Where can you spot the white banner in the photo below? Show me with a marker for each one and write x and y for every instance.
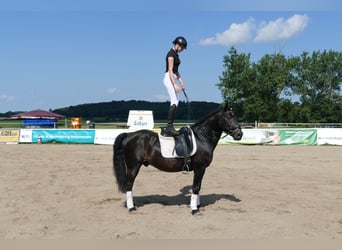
(25, 136)
(329, 136)
(140, 119)
(107, 136)
(250, 136)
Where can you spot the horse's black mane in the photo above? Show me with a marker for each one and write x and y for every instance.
(205, 118)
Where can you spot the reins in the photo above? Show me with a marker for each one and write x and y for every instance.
(187, 159)
(189, 106)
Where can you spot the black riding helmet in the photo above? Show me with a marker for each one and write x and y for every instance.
(180, 41)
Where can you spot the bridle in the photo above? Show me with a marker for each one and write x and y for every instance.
(231, 131)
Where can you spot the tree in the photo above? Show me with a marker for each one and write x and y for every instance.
(236, 81)
(268, 90)
(272, 73)
(317, 80)
(257, 87)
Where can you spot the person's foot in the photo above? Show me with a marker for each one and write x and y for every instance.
(169, 130)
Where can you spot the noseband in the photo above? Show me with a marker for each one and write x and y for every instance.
(231, 131)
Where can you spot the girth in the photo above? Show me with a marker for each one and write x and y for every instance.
(184, 146)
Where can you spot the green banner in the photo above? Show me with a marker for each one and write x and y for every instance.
(294, 137)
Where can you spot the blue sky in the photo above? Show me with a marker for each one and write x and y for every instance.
(56, 54)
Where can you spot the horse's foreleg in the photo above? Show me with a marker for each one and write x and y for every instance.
(196, 187)
(195, 201)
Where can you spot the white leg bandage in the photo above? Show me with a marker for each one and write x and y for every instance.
(129, 200)
(193, 202)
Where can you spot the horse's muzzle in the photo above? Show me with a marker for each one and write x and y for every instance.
(237, 134)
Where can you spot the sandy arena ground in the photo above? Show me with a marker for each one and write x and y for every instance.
(249, 192)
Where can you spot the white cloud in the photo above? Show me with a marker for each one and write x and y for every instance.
(236, 34)
(7, 98)
(111, 90)
(281, 29)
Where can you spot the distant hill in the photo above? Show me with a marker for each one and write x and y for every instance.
(117, 111)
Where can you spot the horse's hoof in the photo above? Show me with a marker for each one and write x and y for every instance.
(193, 212)
(132, 209)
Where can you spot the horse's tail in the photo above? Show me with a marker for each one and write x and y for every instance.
(119, 165)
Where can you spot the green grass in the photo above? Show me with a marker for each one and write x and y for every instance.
(10, 124)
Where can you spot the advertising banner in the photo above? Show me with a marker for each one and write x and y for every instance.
(107, 136)
(140, 119)
(274, 137)
(293, 137)
(9, 136)
(319, 136)
(329, 136)
(250, 136)
(64, 135)
(25, 136)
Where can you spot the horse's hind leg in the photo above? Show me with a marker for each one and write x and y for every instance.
(132, 173)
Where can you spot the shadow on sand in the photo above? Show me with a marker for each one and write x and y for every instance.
(183, 198)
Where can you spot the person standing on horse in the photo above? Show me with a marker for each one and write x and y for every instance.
(173, 82)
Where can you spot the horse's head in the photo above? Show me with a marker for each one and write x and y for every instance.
(230, 124)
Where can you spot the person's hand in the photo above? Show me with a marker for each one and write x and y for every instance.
(177, 88)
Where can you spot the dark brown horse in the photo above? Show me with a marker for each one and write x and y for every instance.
(132, 150)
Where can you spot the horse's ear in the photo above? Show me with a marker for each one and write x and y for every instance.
(227, 107)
